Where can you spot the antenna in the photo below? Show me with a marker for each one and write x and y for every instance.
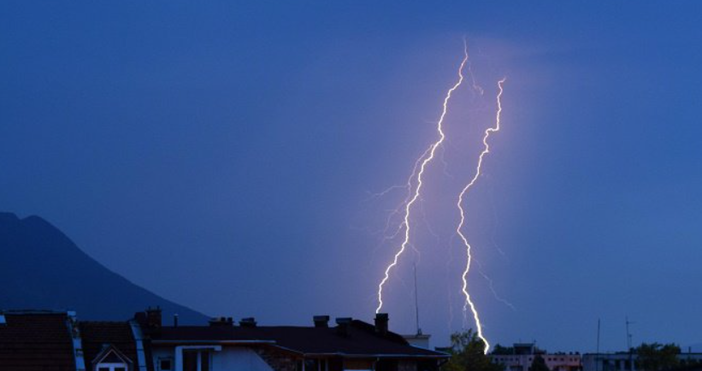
(628, 334)
(416, 300)
(597, 352)
(598, 337)
(628, 343)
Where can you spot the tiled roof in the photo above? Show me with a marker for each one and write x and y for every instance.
(361, 339)
(98, 335)
(36, 341)
(41, 341)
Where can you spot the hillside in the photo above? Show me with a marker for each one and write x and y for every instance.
(41, 268)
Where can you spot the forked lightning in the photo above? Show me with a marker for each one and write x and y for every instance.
(417, 177)
(459, 204)
(426, 158)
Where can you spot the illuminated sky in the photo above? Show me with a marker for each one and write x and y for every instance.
(223, 155)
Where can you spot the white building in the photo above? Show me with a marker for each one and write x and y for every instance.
(524, 354)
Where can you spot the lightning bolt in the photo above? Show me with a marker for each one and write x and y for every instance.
(426, 158)
(459, 204)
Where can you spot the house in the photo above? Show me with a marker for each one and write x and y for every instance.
(113, 346)
(57, 341)
(223, 345)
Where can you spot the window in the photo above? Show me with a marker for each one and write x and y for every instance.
(111, 359)
(315, 364)
(111, 367)
(196, 360)
(363, 364)
(165, 364)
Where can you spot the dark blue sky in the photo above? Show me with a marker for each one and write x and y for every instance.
(222, 155)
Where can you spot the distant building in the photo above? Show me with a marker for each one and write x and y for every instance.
(57, 341)
(623, 361)
(523, 356)
(418, 340)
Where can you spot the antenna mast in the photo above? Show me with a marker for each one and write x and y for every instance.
(598, 337)
(628, 343)
(628, 334)
(597, 363)
(416, 300)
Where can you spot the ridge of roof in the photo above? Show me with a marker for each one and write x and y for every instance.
(361, 339)
(19, 312)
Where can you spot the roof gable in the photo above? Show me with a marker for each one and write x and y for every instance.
(110, 354)
(97, 335)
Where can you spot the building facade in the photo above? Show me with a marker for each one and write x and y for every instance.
(523, 356)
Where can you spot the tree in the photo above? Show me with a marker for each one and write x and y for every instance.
(539, 364)
(657, 357)
(467, 354)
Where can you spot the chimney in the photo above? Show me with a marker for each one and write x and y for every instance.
(321, 321)
(247, 322)
(222, 322)
(153, 318)
(342, 325)
(140, 317)
(381, 323)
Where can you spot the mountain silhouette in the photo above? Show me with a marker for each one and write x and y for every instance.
(41, 268)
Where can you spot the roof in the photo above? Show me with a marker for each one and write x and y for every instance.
(96, 336)
(32, 341)
(362, 340)
(41, 341)
(110, 354)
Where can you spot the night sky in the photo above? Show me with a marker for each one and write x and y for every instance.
(225, 155)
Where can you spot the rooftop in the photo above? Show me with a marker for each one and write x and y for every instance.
(36, 340)
(360, 339)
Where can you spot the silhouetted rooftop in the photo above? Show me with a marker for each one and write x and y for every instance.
(360, 340)
(36, 340)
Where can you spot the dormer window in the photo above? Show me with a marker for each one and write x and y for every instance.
(112, 367)
(111, 359)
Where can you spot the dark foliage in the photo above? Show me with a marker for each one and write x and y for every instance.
(467, 354)
(539, 364)
(657, 357)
